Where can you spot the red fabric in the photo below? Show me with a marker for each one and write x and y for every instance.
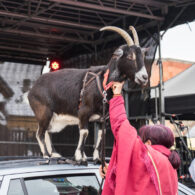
(130, 170)
(106, 86)
(162, 149)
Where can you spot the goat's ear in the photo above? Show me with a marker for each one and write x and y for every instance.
(145, 50)
(118, 53)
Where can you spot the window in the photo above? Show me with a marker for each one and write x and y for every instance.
(181, 193)
(15, 187)
(63, 185)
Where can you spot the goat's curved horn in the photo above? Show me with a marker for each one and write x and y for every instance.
(120, 31)
(135, 36)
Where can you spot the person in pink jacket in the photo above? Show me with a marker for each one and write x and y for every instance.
(139, 165)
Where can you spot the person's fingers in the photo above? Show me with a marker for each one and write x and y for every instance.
(117, 87)
(101, 172)
(105, 170)
(102, 175)
(116, 84)
(113, 86)
(119, 83)
(100, 168)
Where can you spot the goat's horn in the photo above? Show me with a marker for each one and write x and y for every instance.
(135, 36)
(120, 31)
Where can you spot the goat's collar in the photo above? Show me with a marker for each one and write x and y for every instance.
(106, 86)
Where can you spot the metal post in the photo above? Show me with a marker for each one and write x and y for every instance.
(95, 47)
(161, 86)
(126, 98)
(156, 106)
(96, 129)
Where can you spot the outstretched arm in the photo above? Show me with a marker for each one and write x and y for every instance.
(117, 109)
(117, 113)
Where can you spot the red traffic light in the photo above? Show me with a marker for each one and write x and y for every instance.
(55, 65)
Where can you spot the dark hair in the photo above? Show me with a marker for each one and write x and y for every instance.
(160, 135)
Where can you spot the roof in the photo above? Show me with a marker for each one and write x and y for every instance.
(5, 90)
(191, 133)
(180, 85)
(20, 78)
(31, 31)
(171, 68)
(179, 94)
(2, 119)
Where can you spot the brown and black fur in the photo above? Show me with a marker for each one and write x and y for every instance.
(59, 92)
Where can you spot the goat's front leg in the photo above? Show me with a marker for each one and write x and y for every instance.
(96, 153)
(50, 148)
(79, 153)
(83, 114)
(40, 135)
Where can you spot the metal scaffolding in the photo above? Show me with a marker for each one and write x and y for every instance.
(36, 29)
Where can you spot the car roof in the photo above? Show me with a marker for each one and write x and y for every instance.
(32, 165)
(9, 167)
(186, 189)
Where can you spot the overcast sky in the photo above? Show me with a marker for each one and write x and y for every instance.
(179, 43)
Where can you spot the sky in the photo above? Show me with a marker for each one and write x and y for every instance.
(179, 43)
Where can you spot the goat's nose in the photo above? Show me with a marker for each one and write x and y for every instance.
(145, 77)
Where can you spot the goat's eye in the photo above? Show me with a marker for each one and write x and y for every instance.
(131, 56)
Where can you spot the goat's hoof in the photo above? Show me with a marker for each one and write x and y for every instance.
(96, 161)
(62, 161)
(68, 161)
(80, 163)
(46, 156)
(85, 163)
(55, 155)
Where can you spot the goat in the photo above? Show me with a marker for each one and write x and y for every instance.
(55, 96)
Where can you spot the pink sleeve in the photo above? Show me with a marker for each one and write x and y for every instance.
(117, 113)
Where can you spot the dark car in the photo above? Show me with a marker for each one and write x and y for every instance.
(40, 177)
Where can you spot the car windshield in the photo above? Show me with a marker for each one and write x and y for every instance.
(181, 193)
(61, 185)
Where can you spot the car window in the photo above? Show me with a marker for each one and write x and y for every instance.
(15, 187)
(181, 193)
(61, 185)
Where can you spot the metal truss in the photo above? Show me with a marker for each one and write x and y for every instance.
(37, 29)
